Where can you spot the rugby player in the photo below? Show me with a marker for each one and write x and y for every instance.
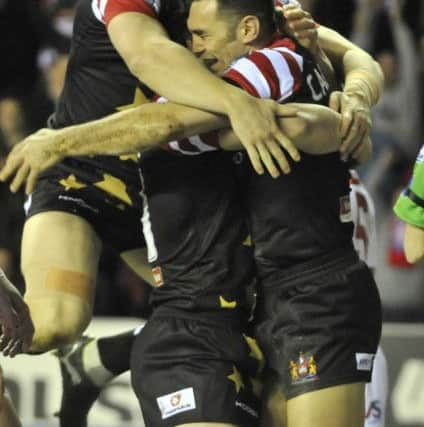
(410, 208)
(318, 81)
(319, 317)
(82, 203)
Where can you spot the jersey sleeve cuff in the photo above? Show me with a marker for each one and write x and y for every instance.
(409, 211)
(116, 7)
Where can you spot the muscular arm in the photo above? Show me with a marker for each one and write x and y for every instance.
(159, 63)
(145, 127)
(172, 71)
(134, 130)
(353, 63)
(316, 130)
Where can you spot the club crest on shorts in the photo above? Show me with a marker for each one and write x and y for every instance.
(304, 369)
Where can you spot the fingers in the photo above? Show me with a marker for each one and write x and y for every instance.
(12, 165)
(255, 160)
(267, 160)
(31, 181)
(25, 331)
(347, 121)
(279, 155)
(357, 134)
(13, 347)
(8, 334)
(336, 101)
(20, 177)
(287, 145)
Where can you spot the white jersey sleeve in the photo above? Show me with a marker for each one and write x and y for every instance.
(363, 217)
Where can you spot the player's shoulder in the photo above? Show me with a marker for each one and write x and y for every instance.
(274, 71)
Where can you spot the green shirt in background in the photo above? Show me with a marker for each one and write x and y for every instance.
(410, 205)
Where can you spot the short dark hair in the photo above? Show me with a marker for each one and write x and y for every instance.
(263, 9)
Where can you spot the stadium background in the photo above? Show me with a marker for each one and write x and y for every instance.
(34, 41)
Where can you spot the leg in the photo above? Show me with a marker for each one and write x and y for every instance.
(60, 254)
(274, 405)
(97, 361)
(136, 259)
(339, 406)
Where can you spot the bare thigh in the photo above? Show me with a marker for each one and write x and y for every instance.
(60, 254)
(338, 406)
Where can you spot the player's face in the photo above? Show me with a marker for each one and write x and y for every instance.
(214, 37)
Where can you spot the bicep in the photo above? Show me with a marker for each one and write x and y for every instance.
(133, 34)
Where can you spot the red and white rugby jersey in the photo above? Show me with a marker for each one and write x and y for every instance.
(363, 217)
(274, 72)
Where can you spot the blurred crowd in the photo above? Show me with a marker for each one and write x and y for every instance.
(34, 44)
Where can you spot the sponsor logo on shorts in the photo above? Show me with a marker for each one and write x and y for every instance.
(79, 202)
(177, 402)
(345, 209)
(304, 369)
(247, 408)
(157, 276)
(364, 361)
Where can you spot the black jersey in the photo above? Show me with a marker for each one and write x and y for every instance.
(195, 232)
(98, 82)
(304, 215)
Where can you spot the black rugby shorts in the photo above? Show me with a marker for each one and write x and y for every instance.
(189, 371)
(322, 331)
(114, 217)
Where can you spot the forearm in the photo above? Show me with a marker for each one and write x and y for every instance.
(135, 130)
(363, 75)
(316, 130)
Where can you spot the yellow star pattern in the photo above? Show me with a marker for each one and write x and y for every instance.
(236, 378)
(132, 157)
(227, 304)
(71, 182)
(115, 187)
(255, 352)
(139, 99)
(248, 241)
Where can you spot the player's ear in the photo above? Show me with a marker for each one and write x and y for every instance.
(249, 29)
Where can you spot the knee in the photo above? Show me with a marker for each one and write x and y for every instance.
(57, 321)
